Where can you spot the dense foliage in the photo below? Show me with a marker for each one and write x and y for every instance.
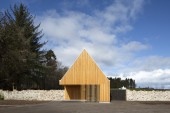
(23, 62)
(118, 83)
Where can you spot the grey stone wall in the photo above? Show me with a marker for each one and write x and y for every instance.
(147, 95)
(42, 95)
(58, 95)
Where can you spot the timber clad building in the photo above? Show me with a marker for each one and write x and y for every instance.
(84, 81)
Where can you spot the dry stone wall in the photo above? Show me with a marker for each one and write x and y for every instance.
(58, 95)
(42, 95)
(147, 95)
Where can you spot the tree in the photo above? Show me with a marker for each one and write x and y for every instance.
(118, 83)
(28, 33)
(23, 62)
(21, 54)
(61, 70)
(55, 71)
(51, 63)
(9, 62)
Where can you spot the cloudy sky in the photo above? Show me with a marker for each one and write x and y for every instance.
(127, 38)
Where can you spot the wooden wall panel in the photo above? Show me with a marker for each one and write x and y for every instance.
(66, 97)
(86, 72)
(73, 92)
(83, 92)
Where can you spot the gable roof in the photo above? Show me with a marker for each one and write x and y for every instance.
(84, 71)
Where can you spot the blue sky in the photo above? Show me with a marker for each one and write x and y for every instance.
(127, 38)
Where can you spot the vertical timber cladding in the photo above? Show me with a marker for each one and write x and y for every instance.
(73, 92)
(85, 78)
(92, 93)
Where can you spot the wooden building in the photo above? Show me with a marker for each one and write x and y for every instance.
(85, 81)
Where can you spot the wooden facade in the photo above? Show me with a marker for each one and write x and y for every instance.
(85, 81)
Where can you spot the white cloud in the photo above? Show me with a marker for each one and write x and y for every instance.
(147, 63)
(134, 46)
(159, 78)
(152, 71)
(70, 32)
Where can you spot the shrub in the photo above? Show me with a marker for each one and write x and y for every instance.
(1, 97)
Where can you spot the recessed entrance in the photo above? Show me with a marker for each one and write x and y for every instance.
(83, 92)
(92, 93)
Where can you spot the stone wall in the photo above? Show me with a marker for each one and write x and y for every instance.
(33, 95)
(58, 95)
(147, 95)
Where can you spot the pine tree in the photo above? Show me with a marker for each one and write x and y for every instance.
(23, 62)
(28, 32)
(21, 55)
(8, 47)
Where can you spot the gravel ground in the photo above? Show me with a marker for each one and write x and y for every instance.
(155, 102)
(87, 107)
(24, 102)
(20, 102)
